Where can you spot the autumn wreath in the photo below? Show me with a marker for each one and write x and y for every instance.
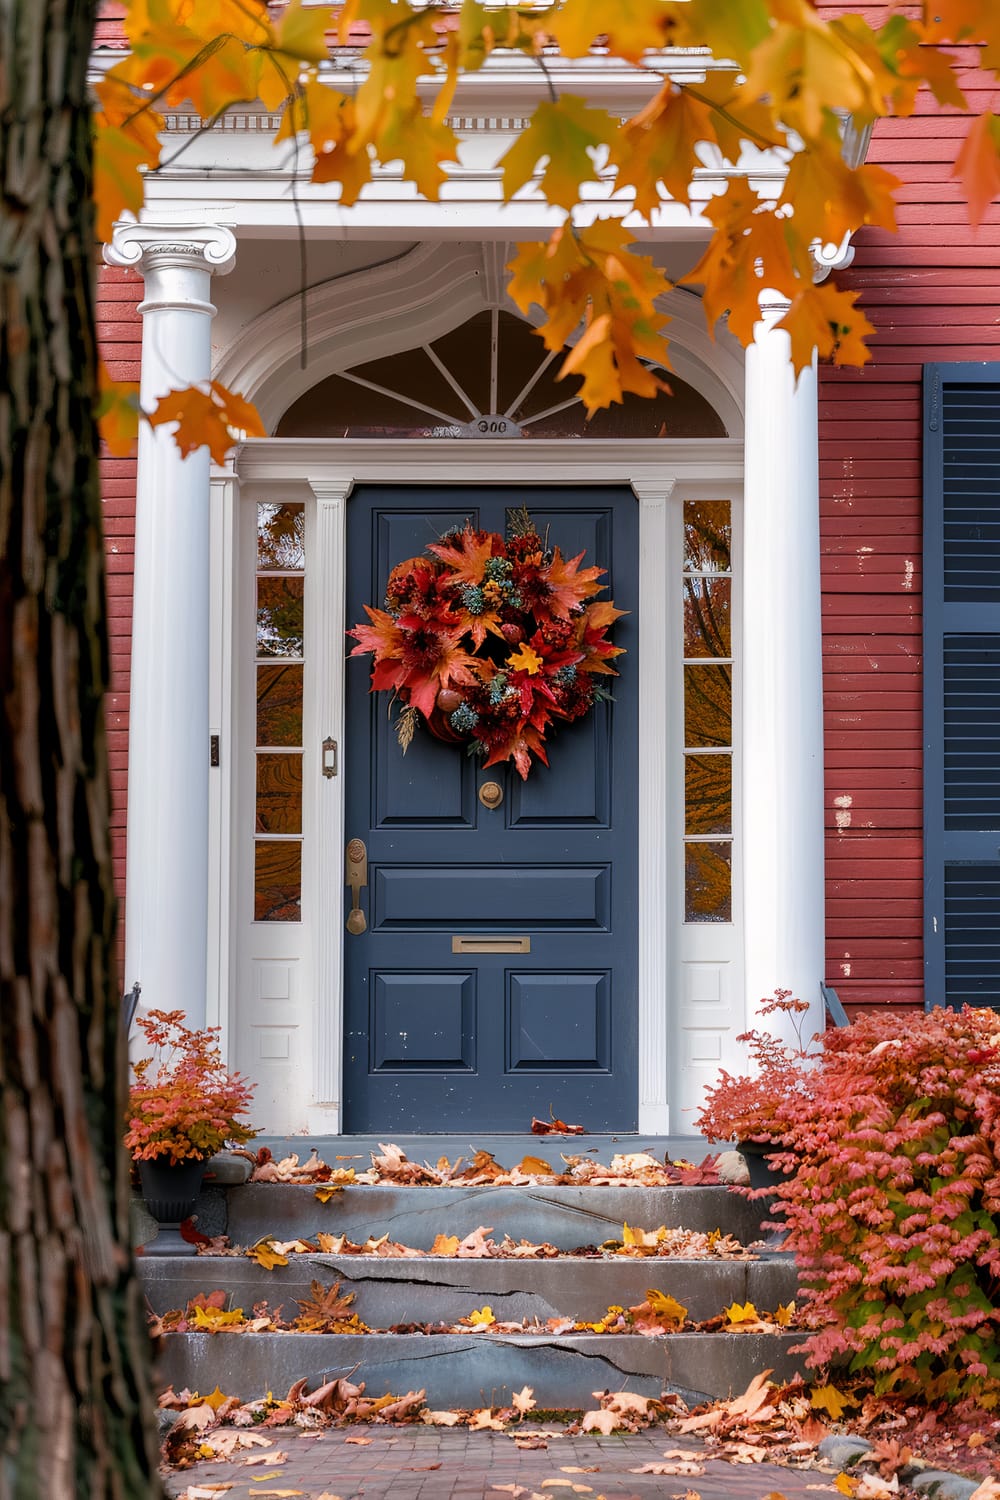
(490, 642)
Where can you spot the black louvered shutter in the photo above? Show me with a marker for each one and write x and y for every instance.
(962, 683)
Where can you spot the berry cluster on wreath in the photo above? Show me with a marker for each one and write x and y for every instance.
(490, 641)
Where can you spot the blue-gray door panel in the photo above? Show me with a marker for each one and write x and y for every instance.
(437, 1040)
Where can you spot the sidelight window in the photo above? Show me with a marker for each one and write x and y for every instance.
(708, 711)
(280, 663)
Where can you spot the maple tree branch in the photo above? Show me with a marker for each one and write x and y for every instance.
(192, 65)
(725, 114)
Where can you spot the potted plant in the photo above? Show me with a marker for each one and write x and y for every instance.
(184, 1105)
(747, 1109)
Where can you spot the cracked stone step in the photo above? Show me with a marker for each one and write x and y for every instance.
(479, 1369)
(564, 1216)
(388, 1292)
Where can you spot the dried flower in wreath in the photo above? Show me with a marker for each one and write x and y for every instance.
(491, 641)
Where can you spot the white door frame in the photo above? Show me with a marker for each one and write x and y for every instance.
(656, 471)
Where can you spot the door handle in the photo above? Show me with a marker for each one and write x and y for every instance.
(356, 875)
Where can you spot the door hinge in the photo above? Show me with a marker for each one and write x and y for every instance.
(329, 757)
(213, 750)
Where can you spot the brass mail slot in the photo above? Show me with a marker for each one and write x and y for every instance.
(498, 942)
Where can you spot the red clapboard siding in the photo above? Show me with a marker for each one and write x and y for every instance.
(931, 291)
(119, 329)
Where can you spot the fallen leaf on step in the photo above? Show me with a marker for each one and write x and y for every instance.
(440, 1418)
(689, 1454)
(555, 1127)
(575, 1469)
(196, 1417)
(204, 1491)
(327, 1495)
(266, 1458)
(420, 1468)
(510, 1489)
(600, 1421)
(362, 1442)
(265, 1254)
(281, 1492)
(484, 1419)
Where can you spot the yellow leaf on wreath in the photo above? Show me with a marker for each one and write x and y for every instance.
(525, 659)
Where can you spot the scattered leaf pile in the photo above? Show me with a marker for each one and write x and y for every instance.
(223, 1427)
(390, 1164)
(657, 1244)
(774, 1423)
(784, 1423)
(326, 1311)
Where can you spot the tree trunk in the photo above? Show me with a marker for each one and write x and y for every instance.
(76, 1417)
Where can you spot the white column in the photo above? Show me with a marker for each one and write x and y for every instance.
(166, 899)
(782, 675)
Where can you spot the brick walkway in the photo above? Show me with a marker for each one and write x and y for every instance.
(418, 1463)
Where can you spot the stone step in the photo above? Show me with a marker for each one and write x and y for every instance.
(566, 1217)
(507, 1149)
(389, 1292)
(478, 1369)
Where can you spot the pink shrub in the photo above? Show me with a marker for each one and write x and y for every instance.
(894, 1211)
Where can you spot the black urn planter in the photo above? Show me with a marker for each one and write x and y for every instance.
(169, 1191)
(757, 1155)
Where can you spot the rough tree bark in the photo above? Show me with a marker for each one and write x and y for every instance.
(75, 1409)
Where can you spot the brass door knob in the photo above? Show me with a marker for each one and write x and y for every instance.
(491, 794)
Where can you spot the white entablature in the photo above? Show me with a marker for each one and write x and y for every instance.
(231, 171)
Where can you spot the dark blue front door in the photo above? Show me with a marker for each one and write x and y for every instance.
(440, 1039)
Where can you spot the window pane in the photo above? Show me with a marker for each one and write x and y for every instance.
(279, 794)
(708, 794)
(708, 883)
(277, 882)
(279, 705)
(280, 616)
(707, 617)
(708, 706)
(707, 536)
(281, 537)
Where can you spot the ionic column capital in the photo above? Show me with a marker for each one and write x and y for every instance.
(154, 247)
